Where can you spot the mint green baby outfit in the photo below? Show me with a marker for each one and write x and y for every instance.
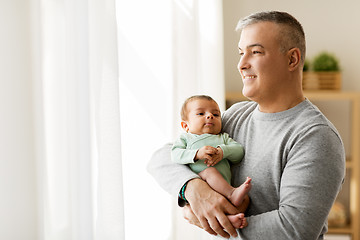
(187, 145)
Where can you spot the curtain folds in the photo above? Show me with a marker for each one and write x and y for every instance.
(168, 50)
(79, 149)
(95, 69)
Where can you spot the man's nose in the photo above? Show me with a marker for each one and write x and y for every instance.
(243, 64)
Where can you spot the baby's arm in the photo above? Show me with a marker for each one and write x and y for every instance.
(181, 155)
(232, 150)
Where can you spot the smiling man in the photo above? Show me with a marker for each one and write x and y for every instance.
(293, 154)
(271, 63)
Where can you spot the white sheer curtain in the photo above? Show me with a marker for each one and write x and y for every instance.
(168, 50)
(78, 123)
(90, 165)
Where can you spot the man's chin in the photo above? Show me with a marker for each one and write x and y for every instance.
(247, 93)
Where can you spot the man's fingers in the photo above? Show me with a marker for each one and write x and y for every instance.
(205, 225)
(221, 226)
(189, 215)
(227, 226)
(210, 208)
(216, 227)
(192, 219)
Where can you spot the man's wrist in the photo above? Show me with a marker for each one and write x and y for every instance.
(182, 192)
(192, 185)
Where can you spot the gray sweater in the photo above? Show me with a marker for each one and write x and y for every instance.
(296, 161)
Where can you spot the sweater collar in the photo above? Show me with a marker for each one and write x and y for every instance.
(280, 115)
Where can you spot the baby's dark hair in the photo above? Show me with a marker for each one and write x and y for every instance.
(183, 111)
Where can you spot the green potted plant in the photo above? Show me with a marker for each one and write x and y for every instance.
(325, 74)
(325, 62)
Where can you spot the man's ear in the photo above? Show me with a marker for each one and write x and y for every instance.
(294, 57)
(185, 126)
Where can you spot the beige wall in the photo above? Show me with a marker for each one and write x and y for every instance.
(332, 26)
(18, 212)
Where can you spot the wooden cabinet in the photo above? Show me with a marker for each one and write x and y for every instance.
(350, 194)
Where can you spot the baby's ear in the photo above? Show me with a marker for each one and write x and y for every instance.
(185, 126)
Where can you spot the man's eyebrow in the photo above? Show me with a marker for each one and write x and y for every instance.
(253, 45)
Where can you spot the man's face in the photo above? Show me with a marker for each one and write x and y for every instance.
(263, 67)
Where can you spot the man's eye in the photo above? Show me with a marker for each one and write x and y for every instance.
(256, 52)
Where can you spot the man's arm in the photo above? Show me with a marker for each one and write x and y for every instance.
(169, 175)
(209, 206)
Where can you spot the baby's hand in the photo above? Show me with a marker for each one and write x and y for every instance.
(210, 155)
(205, 153)
(216, 157)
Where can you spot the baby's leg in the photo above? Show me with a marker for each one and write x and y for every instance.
(237, 196)
(238, 220)
(214, 178)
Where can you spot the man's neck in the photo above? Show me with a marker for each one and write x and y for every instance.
(280, 103)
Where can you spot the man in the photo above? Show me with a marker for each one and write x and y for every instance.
(293, 154)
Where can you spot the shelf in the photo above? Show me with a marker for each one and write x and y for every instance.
(331, 95)
(349, 164)
(340, 230)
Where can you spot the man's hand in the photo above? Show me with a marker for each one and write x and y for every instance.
(189, 215)
(210, 209)
(210, 155)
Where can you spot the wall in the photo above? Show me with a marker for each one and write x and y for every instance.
(331, 27)
(17, 162)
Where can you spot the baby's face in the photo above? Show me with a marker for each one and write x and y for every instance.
(203, 117)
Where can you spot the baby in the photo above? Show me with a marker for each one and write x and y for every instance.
(207, 151)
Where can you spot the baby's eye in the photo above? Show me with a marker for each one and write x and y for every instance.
(216, 115)
(200, 114)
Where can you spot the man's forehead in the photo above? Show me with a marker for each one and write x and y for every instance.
(257, 34)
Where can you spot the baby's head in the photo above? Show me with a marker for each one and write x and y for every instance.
(201, 114)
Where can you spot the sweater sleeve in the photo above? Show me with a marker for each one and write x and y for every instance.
(169, 175)
(310, 182)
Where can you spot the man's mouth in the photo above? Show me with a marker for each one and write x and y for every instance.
(245, 75)
(249, 77)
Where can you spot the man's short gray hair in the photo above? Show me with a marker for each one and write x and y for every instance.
(291, 35)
